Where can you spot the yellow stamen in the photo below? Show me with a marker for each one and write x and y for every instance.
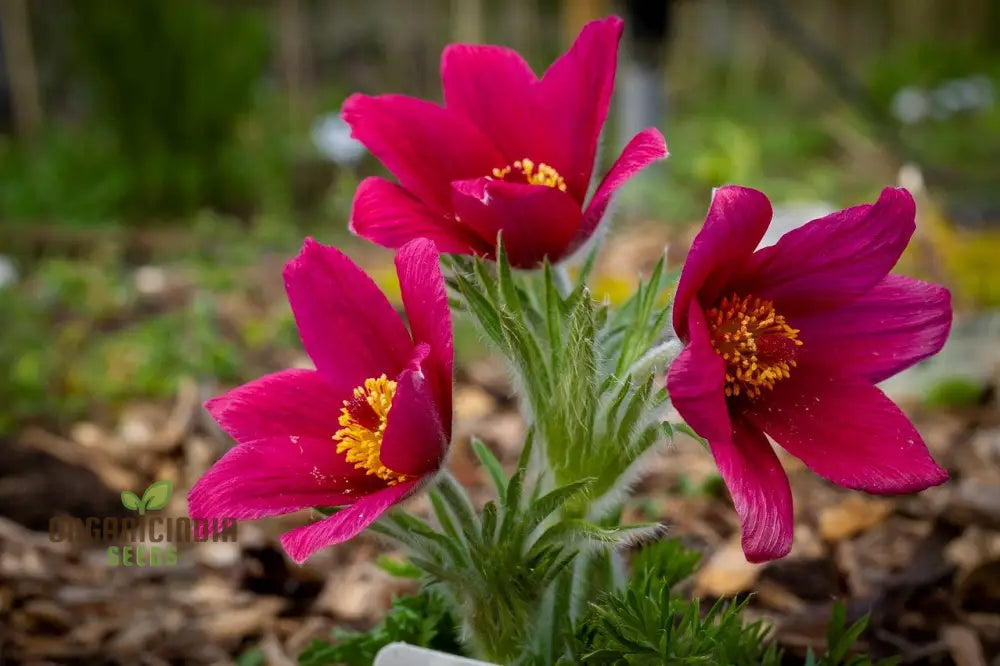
(362, 420)
(542, 175)
(756, 342)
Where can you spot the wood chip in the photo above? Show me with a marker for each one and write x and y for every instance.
(727, 572)
(778, 597)
(243, 622)
(355, 592)
(856, 513)
(964, 645)
(975, 502)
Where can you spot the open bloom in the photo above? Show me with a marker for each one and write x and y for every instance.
(365, 428)
(790, 341)
(508, 152)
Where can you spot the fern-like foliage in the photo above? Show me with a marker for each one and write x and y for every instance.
(590, 375)
(507, 569)
(424, 619)
(648, 623)
(644, 624)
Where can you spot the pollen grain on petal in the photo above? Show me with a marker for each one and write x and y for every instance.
(362, 421)
(756, 342)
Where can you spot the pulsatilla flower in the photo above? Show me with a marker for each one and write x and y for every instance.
(364, 429)
(507, 152)
(789, 340)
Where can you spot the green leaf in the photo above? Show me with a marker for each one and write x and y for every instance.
(545, 505)
(492, 465)
(510, 504)
(509, 297)
(689, 431)
(641, 320)
(634, 410)
(575, 531)
(252, 657)
(400, 568)
(485, 277)
(611, 415)
(460, 505)
(553, 305)
(420, 543)
(130, 500)
(524, 459)
(527, 355)
(432, 543)
(444, 518)
(426, 619)
(484, 310)
(667, 560)
(440, 572)
(650, 435)
(157, 495)
(841, 637)
(489, 522)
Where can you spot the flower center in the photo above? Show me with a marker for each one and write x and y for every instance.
(525, 170)
(758, 345)
(362, 420)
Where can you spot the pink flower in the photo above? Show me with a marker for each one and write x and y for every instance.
(790, 341)
(364, 429)
(508, 152)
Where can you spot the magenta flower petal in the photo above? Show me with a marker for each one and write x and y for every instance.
(573, 99)
(736, 221)
(347, 523)
(695, 382)
(847, 431)
(645, 148)
(792, 338)
(481, 82)
(426, 301)
(289, 402)
(760, 491)
(424, 145)
(292, 423)
(414, 442)
(276, 475)
(898, 323)
(347, 326)
(501, 124)
(833, 260)
(537, 221)
(386, 214)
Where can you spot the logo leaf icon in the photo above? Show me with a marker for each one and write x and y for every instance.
(130, 500)
(156, 496)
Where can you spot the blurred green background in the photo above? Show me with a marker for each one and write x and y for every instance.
(159, 159)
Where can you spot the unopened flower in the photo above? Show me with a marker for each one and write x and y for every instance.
(364, 429)
(790, 340)
(508, 152)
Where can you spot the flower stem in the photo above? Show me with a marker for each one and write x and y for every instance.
(656, 359)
